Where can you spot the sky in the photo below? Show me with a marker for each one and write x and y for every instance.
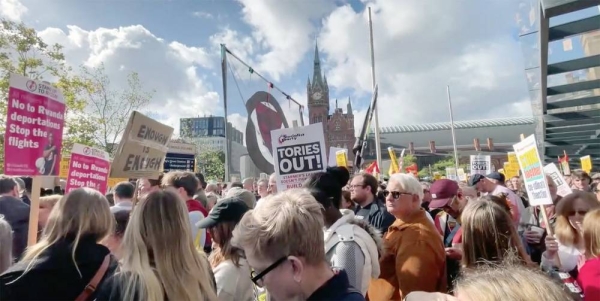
(420, 48)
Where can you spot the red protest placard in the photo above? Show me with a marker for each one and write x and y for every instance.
(89, 167)
(34, 128)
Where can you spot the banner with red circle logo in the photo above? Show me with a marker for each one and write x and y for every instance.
(88, 167)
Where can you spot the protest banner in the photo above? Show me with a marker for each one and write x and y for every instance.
(332, 155)
(142, 149)
(562, 187)
(180, 156)
(462, 176)
(298, 153)
(533, 172)
(34, 128)
(451, 174)
(481, 164)
(394, 165)
(341, 158)
(112, 182)
(88, 167)
(64, 167)
(586, 163)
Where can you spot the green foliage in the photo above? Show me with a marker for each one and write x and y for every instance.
(110, 109)
(23, 52)
(440, 166)
(212, 164)
(409, 159)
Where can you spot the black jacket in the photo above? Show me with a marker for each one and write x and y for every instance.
(54, 276)
(16, 213)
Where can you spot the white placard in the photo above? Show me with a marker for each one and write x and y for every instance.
(481, 164)
(561, 185)
(533, 172)
(298, 153)
(332, 151)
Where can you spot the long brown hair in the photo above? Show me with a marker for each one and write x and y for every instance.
(489, 234)
(564, 231)
(223, 251)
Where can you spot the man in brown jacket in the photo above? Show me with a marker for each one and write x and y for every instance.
(414, 258)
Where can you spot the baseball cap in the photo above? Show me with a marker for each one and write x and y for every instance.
(226, 210)
(496, 176)
(474, 179)
(442, 191)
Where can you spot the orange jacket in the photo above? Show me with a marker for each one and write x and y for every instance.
(414, 260)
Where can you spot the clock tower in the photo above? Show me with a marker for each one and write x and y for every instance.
(318, 95)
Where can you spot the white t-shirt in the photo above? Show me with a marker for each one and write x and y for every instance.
(234, 283)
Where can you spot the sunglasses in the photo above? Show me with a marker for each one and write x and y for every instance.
(258, 278)
(395, 194)
(579, 212)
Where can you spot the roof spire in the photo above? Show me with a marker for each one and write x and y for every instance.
(317, 74)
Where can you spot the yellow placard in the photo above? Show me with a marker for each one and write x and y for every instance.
(112, 182)
(341, 158)
(394, 166)
(64, 167)
(586, 163)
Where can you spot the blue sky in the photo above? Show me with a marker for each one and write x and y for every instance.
(421, 46)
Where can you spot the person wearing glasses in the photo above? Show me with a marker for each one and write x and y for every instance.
(284, 244)
(231, 269)
(415, 259)
(363, 190)
(567, 242)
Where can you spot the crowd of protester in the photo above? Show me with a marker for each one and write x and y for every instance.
(339, 237)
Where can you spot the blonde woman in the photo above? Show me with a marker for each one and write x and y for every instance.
(510, 282)
(232, 272)
(489, 234)
(69, 255)
(567, 243)
(159, 260)
(46, 205)
(5, 245)
(589, 274)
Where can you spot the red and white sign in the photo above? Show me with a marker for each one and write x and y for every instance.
(34, 128)
(89, 167)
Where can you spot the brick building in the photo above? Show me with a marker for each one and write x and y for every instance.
(339, 126)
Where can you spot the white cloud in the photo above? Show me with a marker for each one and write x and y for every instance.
(418, 53)
(172, 69)
(202, 15)
(285, 29)
(12, 9)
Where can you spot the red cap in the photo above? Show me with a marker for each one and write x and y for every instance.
(442, 191)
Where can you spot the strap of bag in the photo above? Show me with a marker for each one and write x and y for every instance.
(91, 287)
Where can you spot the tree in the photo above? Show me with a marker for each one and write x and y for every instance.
(110, 109)
(23, 52)
(212, 164)
(440, 166)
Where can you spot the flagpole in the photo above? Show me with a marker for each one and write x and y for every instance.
(224, 78)
(377, 134)
(452, 127)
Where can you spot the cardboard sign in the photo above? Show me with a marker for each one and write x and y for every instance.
(333, 155)
(341, 158)
(561, 185)
(34, 128)
(142, 150)
(533, 172)
(298, 153)
(88, 168)
(64, 167)
(481, 164)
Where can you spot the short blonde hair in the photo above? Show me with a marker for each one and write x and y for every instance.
(50, 200)
(591, 233)
(499, 282)
(289, 223)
